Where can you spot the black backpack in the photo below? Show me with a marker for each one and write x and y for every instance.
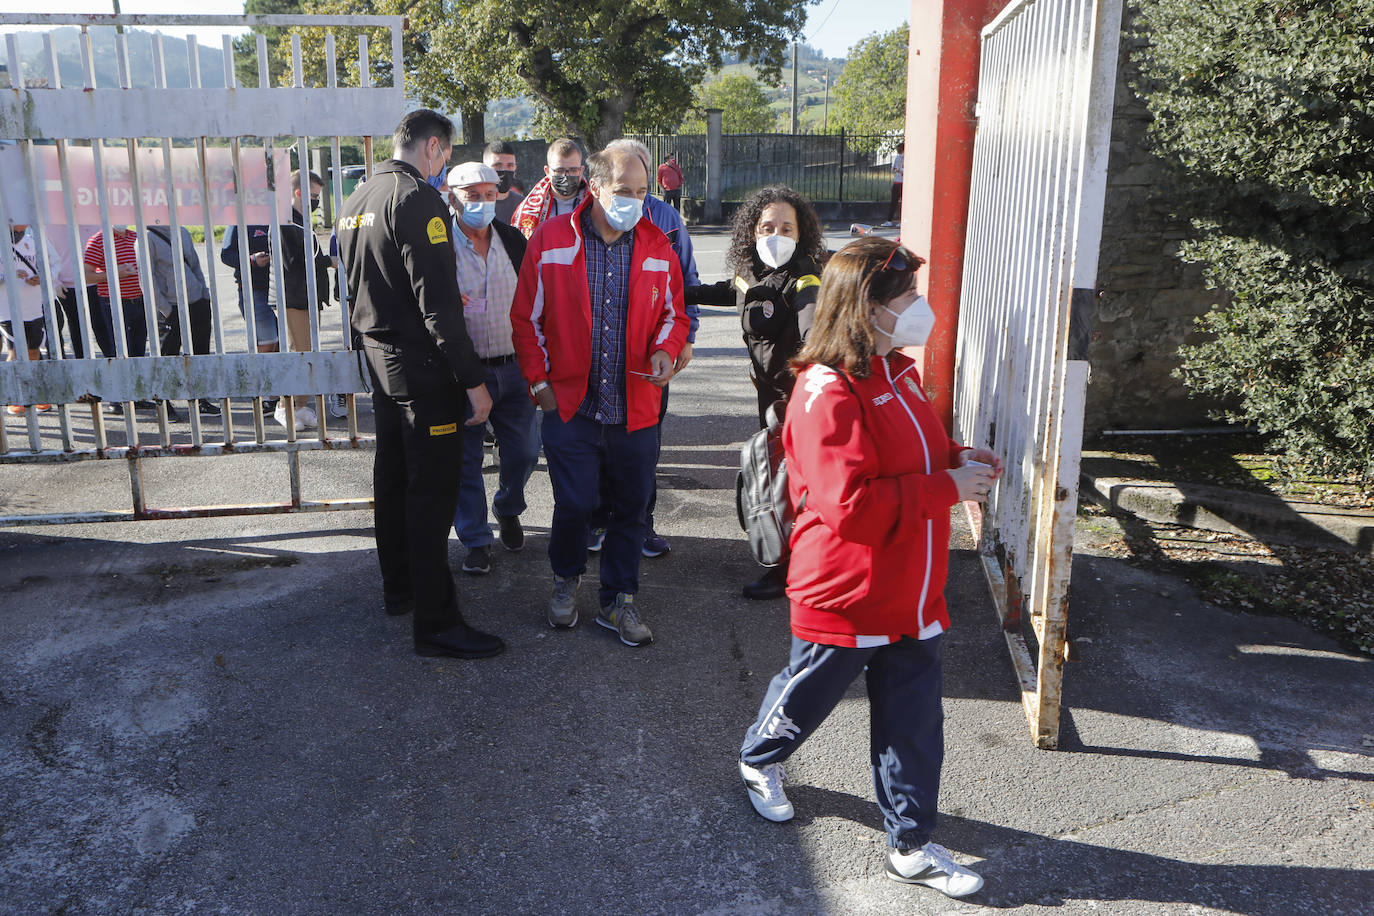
(761, 499)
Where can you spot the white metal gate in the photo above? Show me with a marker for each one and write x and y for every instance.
(1045, 92)
(137, 150)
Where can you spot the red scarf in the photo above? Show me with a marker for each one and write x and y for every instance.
(534, 209)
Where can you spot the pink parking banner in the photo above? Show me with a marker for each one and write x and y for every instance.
(219, 186)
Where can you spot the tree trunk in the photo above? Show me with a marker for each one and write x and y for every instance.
(474, 124)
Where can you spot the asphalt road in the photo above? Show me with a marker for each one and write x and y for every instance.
(216, 717)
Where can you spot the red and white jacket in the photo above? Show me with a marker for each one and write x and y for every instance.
(551, 317)
(870, 547)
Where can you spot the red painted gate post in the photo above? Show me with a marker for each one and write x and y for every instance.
(942, 87)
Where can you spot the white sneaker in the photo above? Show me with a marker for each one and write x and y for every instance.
(305, 417)
(932, 866)
(765, 791)
(338, 405)
(887, 224)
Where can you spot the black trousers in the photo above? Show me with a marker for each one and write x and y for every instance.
(894, 204)
(169, 330)
(415, 489)
(673, 198)
(69, 316)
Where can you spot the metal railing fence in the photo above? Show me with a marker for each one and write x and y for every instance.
(1045, 90)
(149, 154)
(836, 167)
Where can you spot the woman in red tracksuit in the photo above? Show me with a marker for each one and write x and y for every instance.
(874, 475)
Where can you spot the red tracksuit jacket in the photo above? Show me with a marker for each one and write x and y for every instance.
(551, 317)
(870, 547)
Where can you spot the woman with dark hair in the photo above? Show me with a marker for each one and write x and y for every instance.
(875, 475)
(775, 252)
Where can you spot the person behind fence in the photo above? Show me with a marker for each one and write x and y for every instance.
(894, 204)
(670, 180)
(598, 321)
(164, 266)
(874, 476)
(489, 253)
(293, 302)
(406, 309)
(500, 156)
(670, 222)
(27, 288)
(68, 299)
(776, 250)
(135, 330)
(560, 190)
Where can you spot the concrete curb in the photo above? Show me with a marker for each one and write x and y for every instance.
(1257, 515)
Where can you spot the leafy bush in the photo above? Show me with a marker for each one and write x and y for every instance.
(1267, 112)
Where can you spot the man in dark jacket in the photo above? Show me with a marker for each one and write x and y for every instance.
(396, 247)
(293, 301)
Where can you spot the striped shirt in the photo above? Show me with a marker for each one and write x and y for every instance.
(489, 284)
(608, 283)
(126, 252)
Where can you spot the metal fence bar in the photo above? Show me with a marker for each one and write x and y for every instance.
(1042, 135)
(157, 124)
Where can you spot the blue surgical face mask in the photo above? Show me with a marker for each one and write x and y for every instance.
(436, 182)
(624, 212)
(478, 214)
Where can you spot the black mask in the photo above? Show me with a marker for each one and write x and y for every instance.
(566, 185)
(504, 179)
(314, 202)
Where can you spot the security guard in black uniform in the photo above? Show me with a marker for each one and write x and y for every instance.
(405, 307)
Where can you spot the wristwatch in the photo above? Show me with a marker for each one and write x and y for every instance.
(537, 387)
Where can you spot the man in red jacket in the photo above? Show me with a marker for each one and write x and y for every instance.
(598, 321)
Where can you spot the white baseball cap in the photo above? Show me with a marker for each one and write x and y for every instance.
(469, 173)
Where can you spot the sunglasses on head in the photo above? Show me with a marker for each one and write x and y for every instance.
(901, 260)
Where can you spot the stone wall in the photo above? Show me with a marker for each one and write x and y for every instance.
(1149, 298)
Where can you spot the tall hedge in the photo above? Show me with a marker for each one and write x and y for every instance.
(1266, 109)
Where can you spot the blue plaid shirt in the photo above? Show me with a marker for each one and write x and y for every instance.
(608, 282)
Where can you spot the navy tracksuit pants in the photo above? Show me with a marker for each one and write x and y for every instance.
(907, 738)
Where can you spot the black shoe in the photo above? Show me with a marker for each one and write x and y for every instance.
(268, 406)
(478, 561)
(460, 641)
(208, 408)
(512, 532)
(147, 405)
(173, 416)
(772, 584)
(115, 408)
(398, 605)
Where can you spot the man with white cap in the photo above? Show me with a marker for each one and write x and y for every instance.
(489, 253)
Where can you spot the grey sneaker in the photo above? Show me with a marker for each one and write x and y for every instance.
(562, 609)
(623, 617)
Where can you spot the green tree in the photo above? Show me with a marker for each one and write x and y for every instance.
(744, 107)
(440, 50)
(593, 65)
(246, 45)
(1267, 112)
(870, 95)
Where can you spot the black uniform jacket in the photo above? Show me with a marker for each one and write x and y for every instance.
(396, 247)
(776, 313)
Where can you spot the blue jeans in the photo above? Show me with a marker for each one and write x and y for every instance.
(517, 438)
(576, 451)
(906, 722)
(263, 314)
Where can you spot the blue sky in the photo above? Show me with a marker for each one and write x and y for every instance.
(833, 26)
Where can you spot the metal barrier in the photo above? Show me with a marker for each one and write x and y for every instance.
(147, 153)
(823, 167)
(1046, 83)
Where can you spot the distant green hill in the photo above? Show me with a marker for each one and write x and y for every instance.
(140, 44)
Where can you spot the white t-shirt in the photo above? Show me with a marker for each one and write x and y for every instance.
(26, 265)
(898, 165)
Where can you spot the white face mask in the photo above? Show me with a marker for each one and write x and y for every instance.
(775, 250)
(913, 326)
